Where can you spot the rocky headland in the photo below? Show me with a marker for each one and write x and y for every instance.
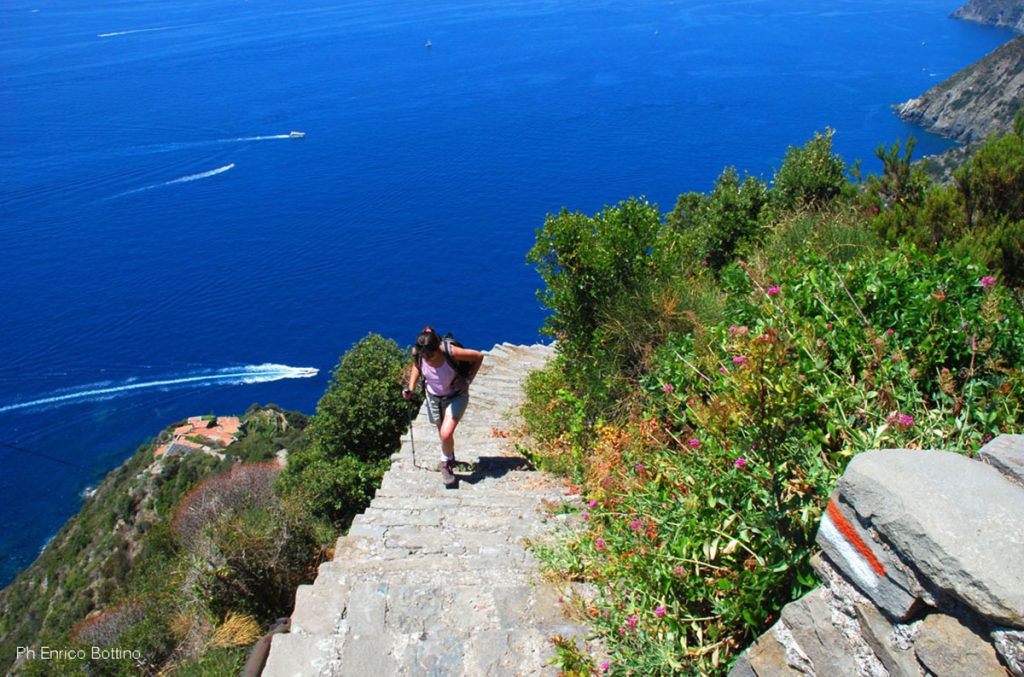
(975, 102)
(1004, 13)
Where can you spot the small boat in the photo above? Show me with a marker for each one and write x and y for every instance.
(296, 135)
(428, 44)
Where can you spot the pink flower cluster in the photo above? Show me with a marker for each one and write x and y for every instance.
(900, 420)
(739, 360)
(987, 282)
(694, 443)
(740, 463)
(667, 388)
(772, 291)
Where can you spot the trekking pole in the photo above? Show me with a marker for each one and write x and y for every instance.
(412, 442)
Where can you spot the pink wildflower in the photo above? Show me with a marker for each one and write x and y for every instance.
(987, 282)
(772, 291)
(739, 360)
(889, 332)
(660, 612)
(632, 621)
(678, 571)
(694, 443)
(599, 544)
(605, 665)
(901, 420)
(635, 525)
(828, 326)
(592, 503)
(667, 388)
(740, 463)
(586, 516)
(639, 467)
(723, 370)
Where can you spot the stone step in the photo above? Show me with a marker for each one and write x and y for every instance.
(437, 581)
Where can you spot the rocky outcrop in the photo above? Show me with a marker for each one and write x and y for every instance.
(1003, 13)
(922, 553)
(436, 581)
(976, 101)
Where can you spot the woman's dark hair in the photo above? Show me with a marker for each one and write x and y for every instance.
(427, 342)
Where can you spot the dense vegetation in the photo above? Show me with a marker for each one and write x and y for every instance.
(719, 365)
(188, 560)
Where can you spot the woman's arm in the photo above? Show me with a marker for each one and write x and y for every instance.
(467, 355)
(414, 378)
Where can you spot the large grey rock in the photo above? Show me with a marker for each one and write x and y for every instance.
(956, 522)
(1006, 454)
(809, 620)
(947, 647)
(867, 563)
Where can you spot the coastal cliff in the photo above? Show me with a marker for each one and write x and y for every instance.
(1004, 13)
(978, 100)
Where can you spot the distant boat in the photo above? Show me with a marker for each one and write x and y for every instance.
(428, 44)
(296, 135)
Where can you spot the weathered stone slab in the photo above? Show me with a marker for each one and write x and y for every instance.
(974, 553)
(878, 632)
(947, 647)
(1006, 454)
(809, 620)
(296, 655)
(366, 656)
(767, 658)
(317, 611)
(366, 608)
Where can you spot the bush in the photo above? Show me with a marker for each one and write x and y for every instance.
(362, 414)
(809, 176)
(588, 262)
(702, 512)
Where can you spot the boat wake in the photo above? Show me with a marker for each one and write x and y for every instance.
(258, 373)
(136, 30)
(183, 179)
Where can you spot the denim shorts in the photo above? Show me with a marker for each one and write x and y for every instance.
(437, 405)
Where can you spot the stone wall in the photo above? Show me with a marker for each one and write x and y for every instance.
(922, 570)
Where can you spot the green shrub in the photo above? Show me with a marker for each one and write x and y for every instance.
(362, 414)
(811, 175)
(702, 512)
(588, 262)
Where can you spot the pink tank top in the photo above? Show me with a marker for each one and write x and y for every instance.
(441, 381)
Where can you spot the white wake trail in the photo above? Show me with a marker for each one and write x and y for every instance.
(259, 373)
(201, 175)
(136, 30)
(183, 179)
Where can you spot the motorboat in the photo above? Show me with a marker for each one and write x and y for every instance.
(296, 135)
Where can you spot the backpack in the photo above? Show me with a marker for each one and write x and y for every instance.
(461, 367)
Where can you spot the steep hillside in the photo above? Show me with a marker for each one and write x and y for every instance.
(1007, 13)
(118, 548)
(978, 100)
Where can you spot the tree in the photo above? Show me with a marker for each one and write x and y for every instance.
(362, 414)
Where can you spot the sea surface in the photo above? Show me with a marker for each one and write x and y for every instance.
(167, 249)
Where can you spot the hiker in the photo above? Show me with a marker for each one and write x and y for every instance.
(447, 370)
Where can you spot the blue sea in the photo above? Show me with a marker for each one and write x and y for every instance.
(168, 250)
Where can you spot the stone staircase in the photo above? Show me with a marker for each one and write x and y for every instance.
(436, 581)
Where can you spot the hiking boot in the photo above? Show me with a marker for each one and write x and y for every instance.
(447, 476)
